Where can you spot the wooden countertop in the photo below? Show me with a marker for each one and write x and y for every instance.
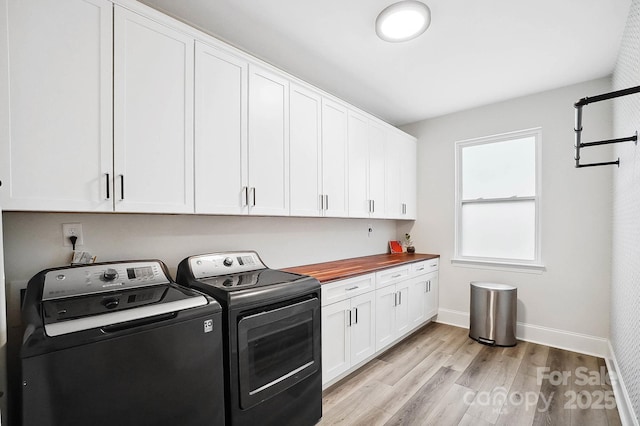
(341, 269)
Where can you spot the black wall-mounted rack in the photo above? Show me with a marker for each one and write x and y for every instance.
(578, 126)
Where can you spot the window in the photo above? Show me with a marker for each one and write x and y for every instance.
(497, 199)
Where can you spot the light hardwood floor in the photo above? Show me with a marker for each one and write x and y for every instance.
(439, 376)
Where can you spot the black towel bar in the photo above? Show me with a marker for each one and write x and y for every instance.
(578, 126)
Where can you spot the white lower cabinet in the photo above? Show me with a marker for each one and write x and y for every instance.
(423, 298)
(392, 314)
(364, 315)
(348, 334)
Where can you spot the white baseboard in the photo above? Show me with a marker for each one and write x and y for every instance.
(455, 318)
(576, 342)
(625, 408)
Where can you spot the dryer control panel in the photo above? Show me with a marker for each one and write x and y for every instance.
(227, 263)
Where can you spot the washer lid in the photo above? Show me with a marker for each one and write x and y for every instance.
(259, 278)
(69, 315)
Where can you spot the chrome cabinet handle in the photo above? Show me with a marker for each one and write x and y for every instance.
(326, 202)
(395, 299)
(349, 324)
(396, 275)
(321, 201)
(420, 269)
(253, 196)
(356, 315)
(434, 265)
(373, 203)
(351, 288)
(399, 298)
(121, 187)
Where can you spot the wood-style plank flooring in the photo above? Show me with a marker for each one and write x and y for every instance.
(439, 376)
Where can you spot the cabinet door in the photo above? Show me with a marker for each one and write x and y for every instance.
(432, 302)
(386, 299)
(402, 309)
(363, 337)
(220, 132)
(57, 153)
(418, 292)
(305, 108)
(153, 116)
(359, 205)
(334, 159)
(336, 342)
(394, 151)
(408, 183)
(376, 149)
(268, 143)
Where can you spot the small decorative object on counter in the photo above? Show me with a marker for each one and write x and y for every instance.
(408, 243)
(395, 247)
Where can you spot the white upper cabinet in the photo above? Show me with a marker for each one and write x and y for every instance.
(220, 132)
(366, 167)
(153, 116)
(376, 146)
(305, 152)
(58, 154)
(335, 188)
(268, 142)
(408, 177)
(400, 172)
(113, 106)
(359, 202)
(318, 147)
(393, 170)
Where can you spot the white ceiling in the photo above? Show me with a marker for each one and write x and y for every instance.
(474, 53)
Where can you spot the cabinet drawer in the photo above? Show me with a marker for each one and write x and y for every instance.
(392, 275)
(344, 289)
(424, 267)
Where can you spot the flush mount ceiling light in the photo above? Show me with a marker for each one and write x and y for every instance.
(403, 21)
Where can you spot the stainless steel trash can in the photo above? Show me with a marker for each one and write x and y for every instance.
(493, 313)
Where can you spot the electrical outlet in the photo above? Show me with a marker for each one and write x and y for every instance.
(370, 230)
(70, 229)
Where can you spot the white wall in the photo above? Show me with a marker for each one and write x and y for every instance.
(625, 281)
(33, 241)
(572, 295)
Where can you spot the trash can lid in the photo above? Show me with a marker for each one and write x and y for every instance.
(492, 286)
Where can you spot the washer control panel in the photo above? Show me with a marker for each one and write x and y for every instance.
(90, 279)
(215, 264)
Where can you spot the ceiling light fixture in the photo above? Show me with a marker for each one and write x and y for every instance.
(403, 21)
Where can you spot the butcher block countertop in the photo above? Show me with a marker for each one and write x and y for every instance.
(340, 269)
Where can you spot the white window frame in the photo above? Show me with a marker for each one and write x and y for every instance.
(522, 264)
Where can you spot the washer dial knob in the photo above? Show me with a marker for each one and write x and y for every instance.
(110, 274)
(227, 261)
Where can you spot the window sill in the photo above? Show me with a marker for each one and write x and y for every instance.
(529, 268)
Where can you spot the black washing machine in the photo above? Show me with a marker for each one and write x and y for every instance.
(271, 335)
(120, 343)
